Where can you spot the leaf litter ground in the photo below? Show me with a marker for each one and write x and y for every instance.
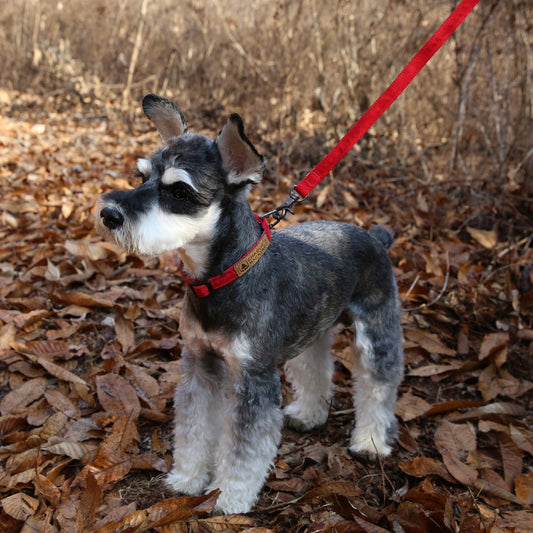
(90, 349)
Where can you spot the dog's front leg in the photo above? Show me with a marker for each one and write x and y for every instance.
(196, 401)
(250, 438)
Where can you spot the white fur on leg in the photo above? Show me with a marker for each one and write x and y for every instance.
(374, 403)
(373, 417)
(195, 429)
(242, 464)
(310, 376)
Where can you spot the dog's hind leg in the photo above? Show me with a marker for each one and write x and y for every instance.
(195, 404)
(378, 373)
(310, 377)
(249, 439)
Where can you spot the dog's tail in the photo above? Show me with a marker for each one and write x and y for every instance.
(384, 236)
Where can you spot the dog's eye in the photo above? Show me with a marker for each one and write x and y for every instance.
(181, 191)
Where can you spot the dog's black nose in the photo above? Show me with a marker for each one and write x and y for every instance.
(111, 217)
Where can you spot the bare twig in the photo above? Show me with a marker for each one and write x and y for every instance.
(413, 285)
(135, 54)
(442, 291)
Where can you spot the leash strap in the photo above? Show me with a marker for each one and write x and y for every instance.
(406, 76)
(204, 287)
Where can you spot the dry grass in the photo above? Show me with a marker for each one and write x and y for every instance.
(298, 69)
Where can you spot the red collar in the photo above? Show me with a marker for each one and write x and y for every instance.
(204, 287)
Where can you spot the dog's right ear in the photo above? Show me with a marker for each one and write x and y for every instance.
(165, 115)
(239, 156)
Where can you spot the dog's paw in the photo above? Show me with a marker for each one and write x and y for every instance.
(190, 485)
(298, 419)
(369, 447)
(234, 500)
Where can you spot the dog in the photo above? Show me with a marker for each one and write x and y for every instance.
(256, 298)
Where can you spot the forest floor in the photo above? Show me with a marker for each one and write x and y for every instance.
(90, 348)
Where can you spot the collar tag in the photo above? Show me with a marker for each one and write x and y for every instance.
(204, 287)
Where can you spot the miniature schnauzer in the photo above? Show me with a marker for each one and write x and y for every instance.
(256, 299)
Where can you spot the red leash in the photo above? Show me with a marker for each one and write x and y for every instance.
(406, 76)
(205, 287)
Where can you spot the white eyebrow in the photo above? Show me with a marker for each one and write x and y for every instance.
(145, 167)
(172, 175)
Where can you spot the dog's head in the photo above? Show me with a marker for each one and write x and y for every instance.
(183, 184)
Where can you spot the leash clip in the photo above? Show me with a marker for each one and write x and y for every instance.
(280, 212)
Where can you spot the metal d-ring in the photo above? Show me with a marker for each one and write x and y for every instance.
(280, 212)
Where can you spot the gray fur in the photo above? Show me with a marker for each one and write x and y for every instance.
(313, 275)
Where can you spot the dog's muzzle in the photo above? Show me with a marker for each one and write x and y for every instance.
(111, 217)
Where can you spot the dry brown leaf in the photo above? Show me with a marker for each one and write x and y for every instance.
(487, 238)
(45, 487)
(7, 336)
(455, 438)
(147, 387)
(116, 514)
(59, 372)
(107, 470)
(68, 515)
(121, 435)
(149, 461)
(494, 490)
(23, 461)
(523, 438)
(511, 458)
(493, 342)
(19, 505)
(24, 320)
(22, 396)
(524, 487)
(9, 423)
(428, 341)
(162, 513)
(39, 523)
(435, 370)
(334, 488)
(94, 251)
(180, 526)
(227, 523)
(19, 479)
(410, 406)
(451, 405)
(519, 521)
(62, 403)
(424, 466)
(460, 471)
(90, 500)
(294, 485)
(85, 300)
(117, 396)
(123, 329)
(49, 349)
(368, 527)
(51, 367)
(495, 408)
(453, 442)
(74, 450)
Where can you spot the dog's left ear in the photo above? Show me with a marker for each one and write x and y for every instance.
(166, 116)
(239, 156)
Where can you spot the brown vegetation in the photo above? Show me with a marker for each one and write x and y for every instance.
(89, 345)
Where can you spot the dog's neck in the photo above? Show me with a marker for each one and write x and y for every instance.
(233, 234)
